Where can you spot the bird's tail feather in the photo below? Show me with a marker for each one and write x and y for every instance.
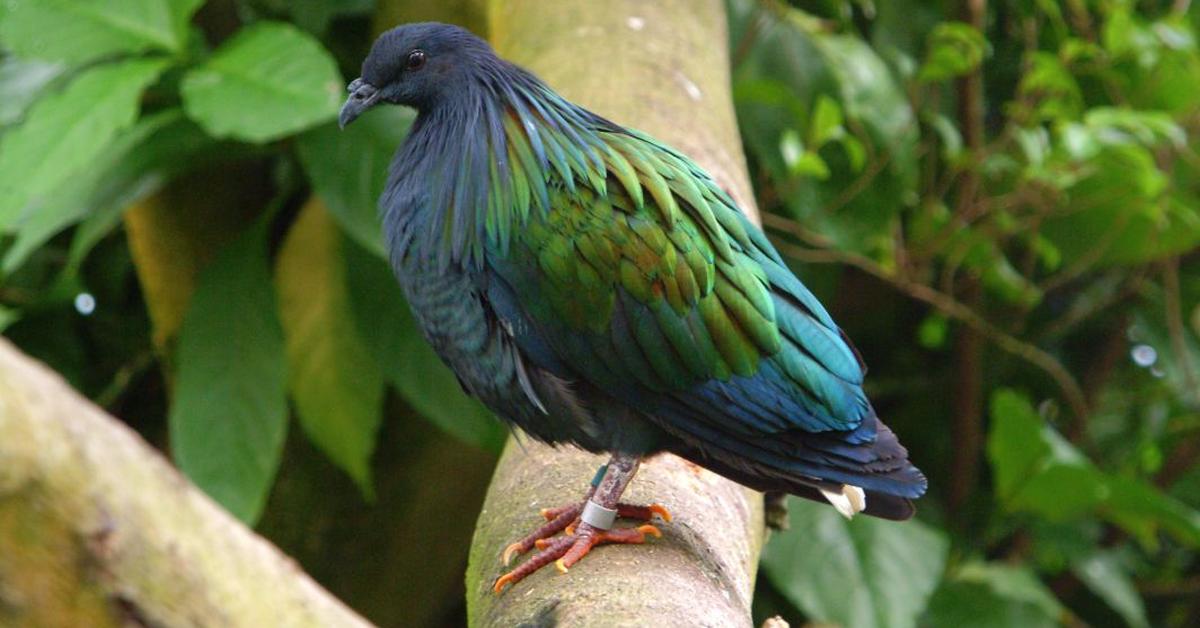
(874, 478)
(848, 500)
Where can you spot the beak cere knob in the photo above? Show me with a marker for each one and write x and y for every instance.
(363, 96)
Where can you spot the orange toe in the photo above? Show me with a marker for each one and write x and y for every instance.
(661, 511)
(651, 530)
(511, 551)
(501, 582)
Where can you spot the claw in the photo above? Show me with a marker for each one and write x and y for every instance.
(502, 581)
(550, 514)
(559, 518)
(579, 538)
(511, 551)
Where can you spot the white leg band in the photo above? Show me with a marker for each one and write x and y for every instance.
(598, 516)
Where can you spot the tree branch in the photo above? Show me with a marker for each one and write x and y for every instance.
(967, 428)
(663, 68)
(97, 529)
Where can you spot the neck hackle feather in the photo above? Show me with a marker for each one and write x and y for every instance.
(484, 153)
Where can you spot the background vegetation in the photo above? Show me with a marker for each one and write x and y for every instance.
(1000, 202)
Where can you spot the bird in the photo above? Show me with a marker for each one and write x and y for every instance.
(593, 286)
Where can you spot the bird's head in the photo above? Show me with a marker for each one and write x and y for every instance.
(417, 65)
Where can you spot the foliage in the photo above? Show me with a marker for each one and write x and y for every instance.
(873, 573)
(1002, 209)
(1023, 200)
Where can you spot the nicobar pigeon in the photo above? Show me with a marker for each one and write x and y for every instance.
(594, 286)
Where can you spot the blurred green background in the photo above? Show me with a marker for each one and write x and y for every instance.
(999, 201)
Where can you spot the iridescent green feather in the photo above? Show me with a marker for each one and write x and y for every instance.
(696, 306)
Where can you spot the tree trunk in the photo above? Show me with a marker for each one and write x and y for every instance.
(97, 529)
(661, 67)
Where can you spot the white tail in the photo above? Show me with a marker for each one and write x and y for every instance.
(849, 501)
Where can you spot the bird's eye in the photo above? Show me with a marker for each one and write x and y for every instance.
(416, 59)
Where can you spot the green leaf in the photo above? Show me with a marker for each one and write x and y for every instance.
(856, 153)
(1013, 445)
(826, 122)
(948, 134)
(1106, 576)
(810, 164)
(933, 332)
(76, 31)
(1036, 470)
(407, 360)
(864, 572)
(135, 165)
(870, 93)
(1123, 207)
(795, 54)
(1013, 582)
(66, 131)
(8, 316)
(1142, 510)
(334, 380)
(1148, 128)
(955, 49)
(791, 148)
(21, 82)
(993, 595)
(267, 81)
(174, 145)
(1120, 208)
(348, 169)
(228, 418)
(1048, 91)
(314, 15)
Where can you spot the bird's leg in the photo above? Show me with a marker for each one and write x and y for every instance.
(556, 520)
(567, 517)
(587, 524)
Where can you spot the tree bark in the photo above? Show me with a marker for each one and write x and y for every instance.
(661, 67)
(97, 529)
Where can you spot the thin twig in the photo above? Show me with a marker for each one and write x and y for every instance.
(1131, 286)
(120, 381)
(967, 428)
(944, 303)
(746, 41)
(1181, 588)
(1174, 314)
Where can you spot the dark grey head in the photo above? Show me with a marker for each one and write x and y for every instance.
(417, 65)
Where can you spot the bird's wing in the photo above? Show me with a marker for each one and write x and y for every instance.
(648, 283)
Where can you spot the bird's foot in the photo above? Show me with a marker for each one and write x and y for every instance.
(579, 539)
(567, 517)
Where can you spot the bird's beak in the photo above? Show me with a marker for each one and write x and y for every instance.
(363, 96)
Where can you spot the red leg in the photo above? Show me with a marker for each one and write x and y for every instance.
(567, 550)
(559, 518)
(581, 537)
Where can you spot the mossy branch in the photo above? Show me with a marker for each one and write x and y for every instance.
(97, 529)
